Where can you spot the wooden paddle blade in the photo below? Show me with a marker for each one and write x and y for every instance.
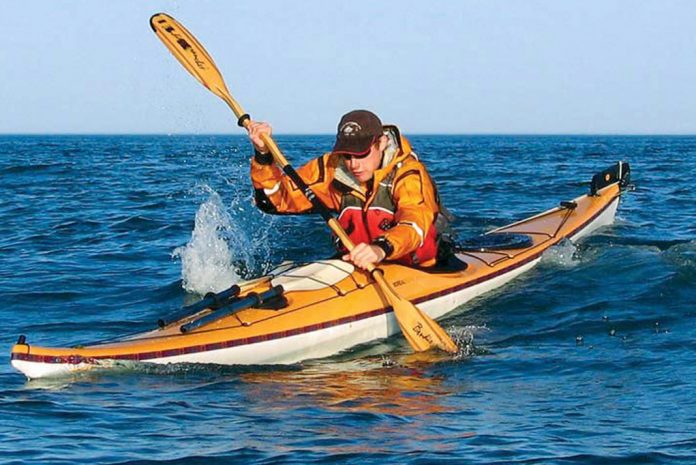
(190, 53)
(421, 331)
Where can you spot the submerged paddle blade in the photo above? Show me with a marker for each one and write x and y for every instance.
(190, 53)
(421, 331)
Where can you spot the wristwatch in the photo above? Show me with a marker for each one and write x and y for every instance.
(384, 244)
(263, 158)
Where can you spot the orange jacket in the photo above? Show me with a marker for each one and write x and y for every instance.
(410, 229)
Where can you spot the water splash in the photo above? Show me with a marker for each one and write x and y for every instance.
(219, 251)
(683, 258)
(683, 255)
(564, 255)
(250, 232)
(463, 336)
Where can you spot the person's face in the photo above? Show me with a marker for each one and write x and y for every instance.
(363, 168)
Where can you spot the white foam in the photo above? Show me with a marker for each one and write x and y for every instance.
(217, 243)
(563, 254)
(463, 336)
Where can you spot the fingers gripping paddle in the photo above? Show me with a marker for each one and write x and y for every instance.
(421, 331)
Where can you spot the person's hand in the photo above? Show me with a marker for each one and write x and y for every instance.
(364, 255)
(255, 130)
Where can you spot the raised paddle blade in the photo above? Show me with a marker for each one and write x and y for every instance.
(190, 53)
(421, 331)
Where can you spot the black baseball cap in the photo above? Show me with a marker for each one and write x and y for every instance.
(357, 131)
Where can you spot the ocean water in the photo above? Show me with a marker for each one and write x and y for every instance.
(590, 358)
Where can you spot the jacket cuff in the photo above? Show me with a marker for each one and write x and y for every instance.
(384, 244)
(263, 158)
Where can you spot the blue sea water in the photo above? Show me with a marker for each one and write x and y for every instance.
(590, 358)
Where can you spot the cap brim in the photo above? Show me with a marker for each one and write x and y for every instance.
(354, 148)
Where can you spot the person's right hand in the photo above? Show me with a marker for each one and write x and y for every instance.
(255, 130)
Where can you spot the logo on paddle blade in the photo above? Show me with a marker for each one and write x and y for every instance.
(418, 329)
(186, 46)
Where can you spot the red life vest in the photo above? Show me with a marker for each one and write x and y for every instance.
(366, 222)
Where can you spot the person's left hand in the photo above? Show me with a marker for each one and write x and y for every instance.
(364, 255)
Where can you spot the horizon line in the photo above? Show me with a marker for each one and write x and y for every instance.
(468, 134)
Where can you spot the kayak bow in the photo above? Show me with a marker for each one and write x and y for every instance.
(328, 306)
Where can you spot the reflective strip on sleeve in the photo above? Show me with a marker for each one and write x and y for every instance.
(272, 190)
(417, 228)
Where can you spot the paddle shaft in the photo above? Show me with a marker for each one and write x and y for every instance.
(318, 205)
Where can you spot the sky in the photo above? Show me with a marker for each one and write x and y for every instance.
(431, 67)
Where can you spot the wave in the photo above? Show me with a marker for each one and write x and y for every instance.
(631, 458)
(136, 222)
(661, 244)
(76, 224)
(32, 169)
(238, 455)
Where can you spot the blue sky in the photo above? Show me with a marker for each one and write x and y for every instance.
(437, 66)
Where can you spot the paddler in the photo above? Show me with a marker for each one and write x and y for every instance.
(381, 192)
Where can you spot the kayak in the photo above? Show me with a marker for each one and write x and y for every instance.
(305, 311)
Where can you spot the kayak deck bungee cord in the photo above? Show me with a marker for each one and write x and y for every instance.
(321, 308)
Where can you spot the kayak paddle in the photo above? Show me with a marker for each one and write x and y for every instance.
(421, 331)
